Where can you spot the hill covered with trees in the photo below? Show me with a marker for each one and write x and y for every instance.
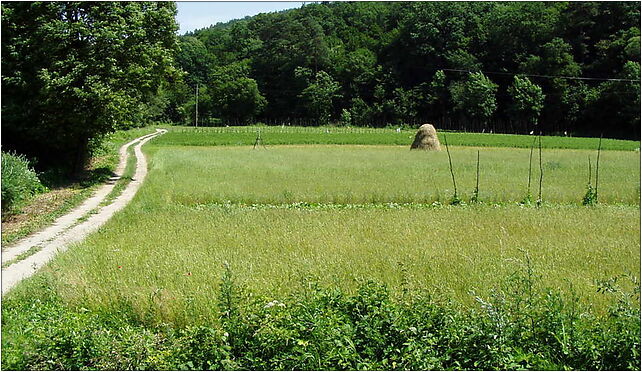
(510, 67)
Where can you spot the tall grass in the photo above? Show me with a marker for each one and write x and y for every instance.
(358, 174)
(165, 258)
(519, 325)
(306, 257)
(19, 182)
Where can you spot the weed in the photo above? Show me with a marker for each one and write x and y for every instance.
(455, 199)
(23, 255)
(475, 197)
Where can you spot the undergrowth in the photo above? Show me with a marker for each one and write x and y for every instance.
(520, 325)
(19, 182)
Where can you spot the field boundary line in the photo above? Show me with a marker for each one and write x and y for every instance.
(17, 271)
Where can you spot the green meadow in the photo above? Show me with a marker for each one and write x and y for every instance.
(380, 174)
(277, 135)
(217, 235)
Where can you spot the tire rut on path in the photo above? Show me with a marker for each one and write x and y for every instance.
(59, 236)
(66, 221)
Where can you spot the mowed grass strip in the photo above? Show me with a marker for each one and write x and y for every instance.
(166, 261)
(232, 136)
(380, 174)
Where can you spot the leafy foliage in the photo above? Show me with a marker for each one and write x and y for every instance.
(475, 97)
(19, 181)
(73, 72)
(317, 96)
(528, 100)
(393, 63)
(520, 325)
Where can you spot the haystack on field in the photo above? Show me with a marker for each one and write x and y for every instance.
(426, 138)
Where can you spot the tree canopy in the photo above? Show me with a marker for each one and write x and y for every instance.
(489, 64)
(73, 72)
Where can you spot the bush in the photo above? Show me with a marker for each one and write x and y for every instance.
(520, 325)
(19, 182)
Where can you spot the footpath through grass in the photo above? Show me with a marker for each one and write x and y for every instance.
(233, 136)
(65, 194)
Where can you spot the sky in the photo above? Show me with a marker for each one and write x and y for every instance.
(193, 15)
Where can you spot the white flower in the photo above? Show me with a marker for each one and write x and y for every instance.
(274, 303)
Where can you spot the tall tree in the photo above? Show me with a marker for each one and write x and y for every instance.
(475, 97)
(318, 95)
(527, 100)
(73, 72)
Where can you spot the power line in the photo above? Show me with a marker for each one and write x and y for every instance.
(541, 76)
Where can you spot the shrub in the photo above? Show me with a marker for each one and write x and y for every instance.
(19, 182)
(519, 325)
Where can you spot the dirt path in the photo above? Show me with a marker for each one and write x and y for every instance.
(66, 229)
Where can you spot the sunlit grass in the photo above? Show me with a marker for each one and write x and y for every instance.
(190, 136)
(167, 260)
(163, 255)
(376, 174)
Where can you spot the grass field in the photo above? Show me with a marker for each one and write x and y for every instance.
(283, 220)
(168, 260)
(379, 174)
(231, 136)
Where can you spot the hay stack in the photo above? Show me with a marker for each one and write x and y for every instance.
(426, 138)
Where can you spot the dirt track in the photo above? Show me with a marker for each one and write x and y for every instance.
(67, 229)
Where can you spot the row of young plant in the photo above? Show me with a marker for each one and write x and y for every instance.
(590, 198)
(519, 325)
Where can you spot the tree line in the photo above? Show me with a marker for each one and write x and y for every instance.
(372, 64)
(73, 72)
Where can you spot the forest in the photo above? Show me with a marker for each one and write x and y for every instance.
(513, 67)
(73, 72)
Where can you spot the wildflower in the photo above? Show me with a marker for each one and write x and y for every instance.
(274, 303)
(120, 267)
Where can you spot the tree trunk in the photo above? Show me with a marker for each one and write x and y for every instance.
(82, 156)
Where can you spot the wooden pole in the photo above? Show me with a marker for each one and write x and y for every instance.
(530, 166)
(597, 166)
(196, 113)
(477, 183)
(541, 170)
(450, 163)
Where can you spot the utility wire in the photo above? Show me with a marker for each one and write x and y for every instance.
(541, 76)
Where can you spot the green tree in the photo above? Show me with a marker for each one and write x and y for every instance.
(194, 59)
(527, 100)
(618, 104)
(235, 95)
(73, 72)
(318, 95)
(475, 97)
